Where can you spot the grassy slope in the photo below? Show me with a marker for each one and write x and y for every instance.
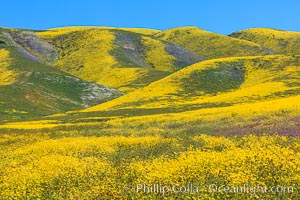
(283, 42)
(29, 88)
(238, 90)
(119, 58)
(211, 45)
(216, 83)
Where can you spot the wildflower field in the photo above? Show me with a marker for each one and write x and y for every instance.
(122, 163)
(205, 154)
(131, 113)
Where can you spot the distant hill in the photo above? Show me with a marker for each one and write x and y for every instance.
(211, 45)
(110, 72)
(281, 42)
(30, 87)
(120, 58)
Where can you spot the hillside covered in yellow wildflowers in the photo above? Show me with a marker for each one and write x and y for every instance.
(107, 113)
(281, 42)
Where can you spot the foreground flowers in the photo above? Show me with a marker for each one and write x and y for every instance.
(147, 167)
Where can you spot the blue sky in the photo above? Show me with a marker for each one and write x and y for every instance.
(218, 16)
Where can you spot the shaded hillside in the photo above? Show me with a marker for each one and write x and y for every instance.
(121, 58)
(282, 42)
(28, 87)
(215, 83)
(211, 45)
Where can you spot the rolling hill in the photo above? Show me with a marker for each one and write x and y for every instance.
(281, 42)
(225, 96)
(211, 45)
(239, 90)
(147, 64)
(30, 87)
(216, 83)
(125, 59)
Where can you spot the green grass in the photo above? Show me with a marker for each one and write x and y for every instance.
(41, 90)
(226, 77)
